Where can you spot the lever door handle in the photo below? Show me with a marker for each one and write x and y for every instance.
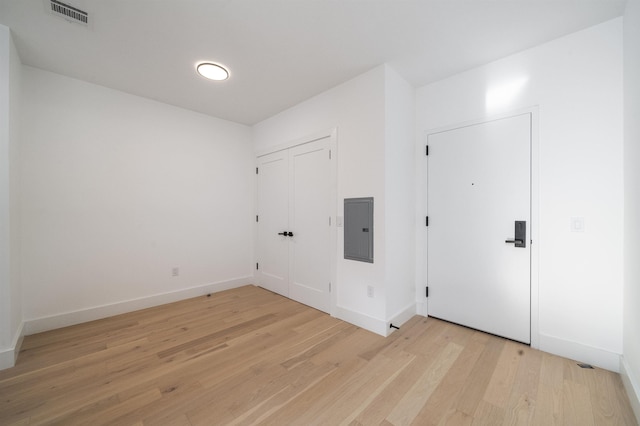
(283, 233)
(520, 234)
(513, 241)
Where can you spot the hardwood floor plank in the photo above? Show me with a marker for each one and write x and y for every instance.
(120, 407)
(335, 407)
(375, 390)
(577, 410)
(487, 415)
(522, 401)
(268, 399)
(451, 386)
(475, 386)
(247, 356)
(305, 406)
(504, 374)
(409, 406)
(426, 348)
(455, 418)
(549, 400)
(396, 387)
(603, 403)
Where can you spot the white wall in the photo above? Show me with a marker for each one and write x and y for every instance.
(373, 115)
(631, 350)
(15, 103)
(356, 108)
(399, 193)
(577, 83)
(10, 291)
(5, 284)
(116, 191)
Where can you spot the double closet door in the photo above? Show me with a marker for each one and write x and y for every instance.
(294, 223)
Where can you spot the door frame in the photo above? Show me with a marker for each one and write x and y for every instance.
(421, 202)
(332, 136)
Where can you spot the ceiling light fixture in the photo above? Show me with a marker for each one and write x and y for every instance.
(212, 71)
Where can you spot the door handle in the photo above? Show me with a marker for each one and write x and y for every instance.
(520, 234)
(289, 234)
(283, 233)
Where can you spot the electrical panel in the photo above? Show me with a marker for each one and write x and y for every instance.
(358, 229)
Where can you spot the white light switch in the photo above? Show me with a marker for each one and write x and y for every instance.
(339, 221)
(577, 224)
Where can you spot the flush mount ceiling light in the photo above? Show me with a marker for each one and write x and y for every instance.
(212, 71)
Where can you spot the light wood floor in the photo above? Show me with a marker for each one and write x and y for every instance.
(247, 356)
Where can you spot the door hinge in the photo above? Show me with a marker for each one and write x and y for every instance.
(329, 287)
(257, 266)
(256, 218)
(427, 291)
(256, 170)
(329, 220)
(329, 154)
(426, 221)
(426, 150)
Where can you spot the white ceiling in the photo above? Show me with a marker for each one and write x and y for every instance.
(281, 52)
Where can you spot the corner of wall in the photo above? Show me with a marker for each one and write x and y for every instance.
(402, 316)
(421, 308)
(374, 325)
(9, 356)
(580, 352)
(631, 385)
(630, 360)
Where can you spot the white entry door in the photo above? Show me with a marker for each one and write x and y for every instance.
(479, 185)
(294, 223)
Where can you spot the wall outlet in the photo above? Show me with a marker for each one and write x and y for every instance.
(577, 224)
(370, 291)
(175, 271)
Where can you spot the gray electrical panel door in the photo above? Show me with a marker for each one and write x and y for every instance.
(358, 229)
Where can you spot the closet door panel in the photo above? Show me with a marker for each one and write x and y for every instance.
(273, 212)
(309, 216)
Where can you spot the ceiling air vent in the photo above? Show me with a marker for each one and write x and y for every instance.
(70, 13)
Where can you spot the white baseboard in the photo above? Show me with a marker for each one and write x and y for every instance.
(401, 317)
(367, 322)
(9, 355)
(38, 325)
(375, 325)
(580, 352)
(632, 386)
(7, 358)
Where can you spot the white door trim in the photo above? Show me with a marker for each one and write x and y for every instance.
(421, 195)
(312, 137)
(332, 135)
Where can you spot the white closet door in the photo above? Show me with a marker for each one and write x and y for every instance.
(309, 264)
(478, 185)
(273, 211)
(294, 200)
